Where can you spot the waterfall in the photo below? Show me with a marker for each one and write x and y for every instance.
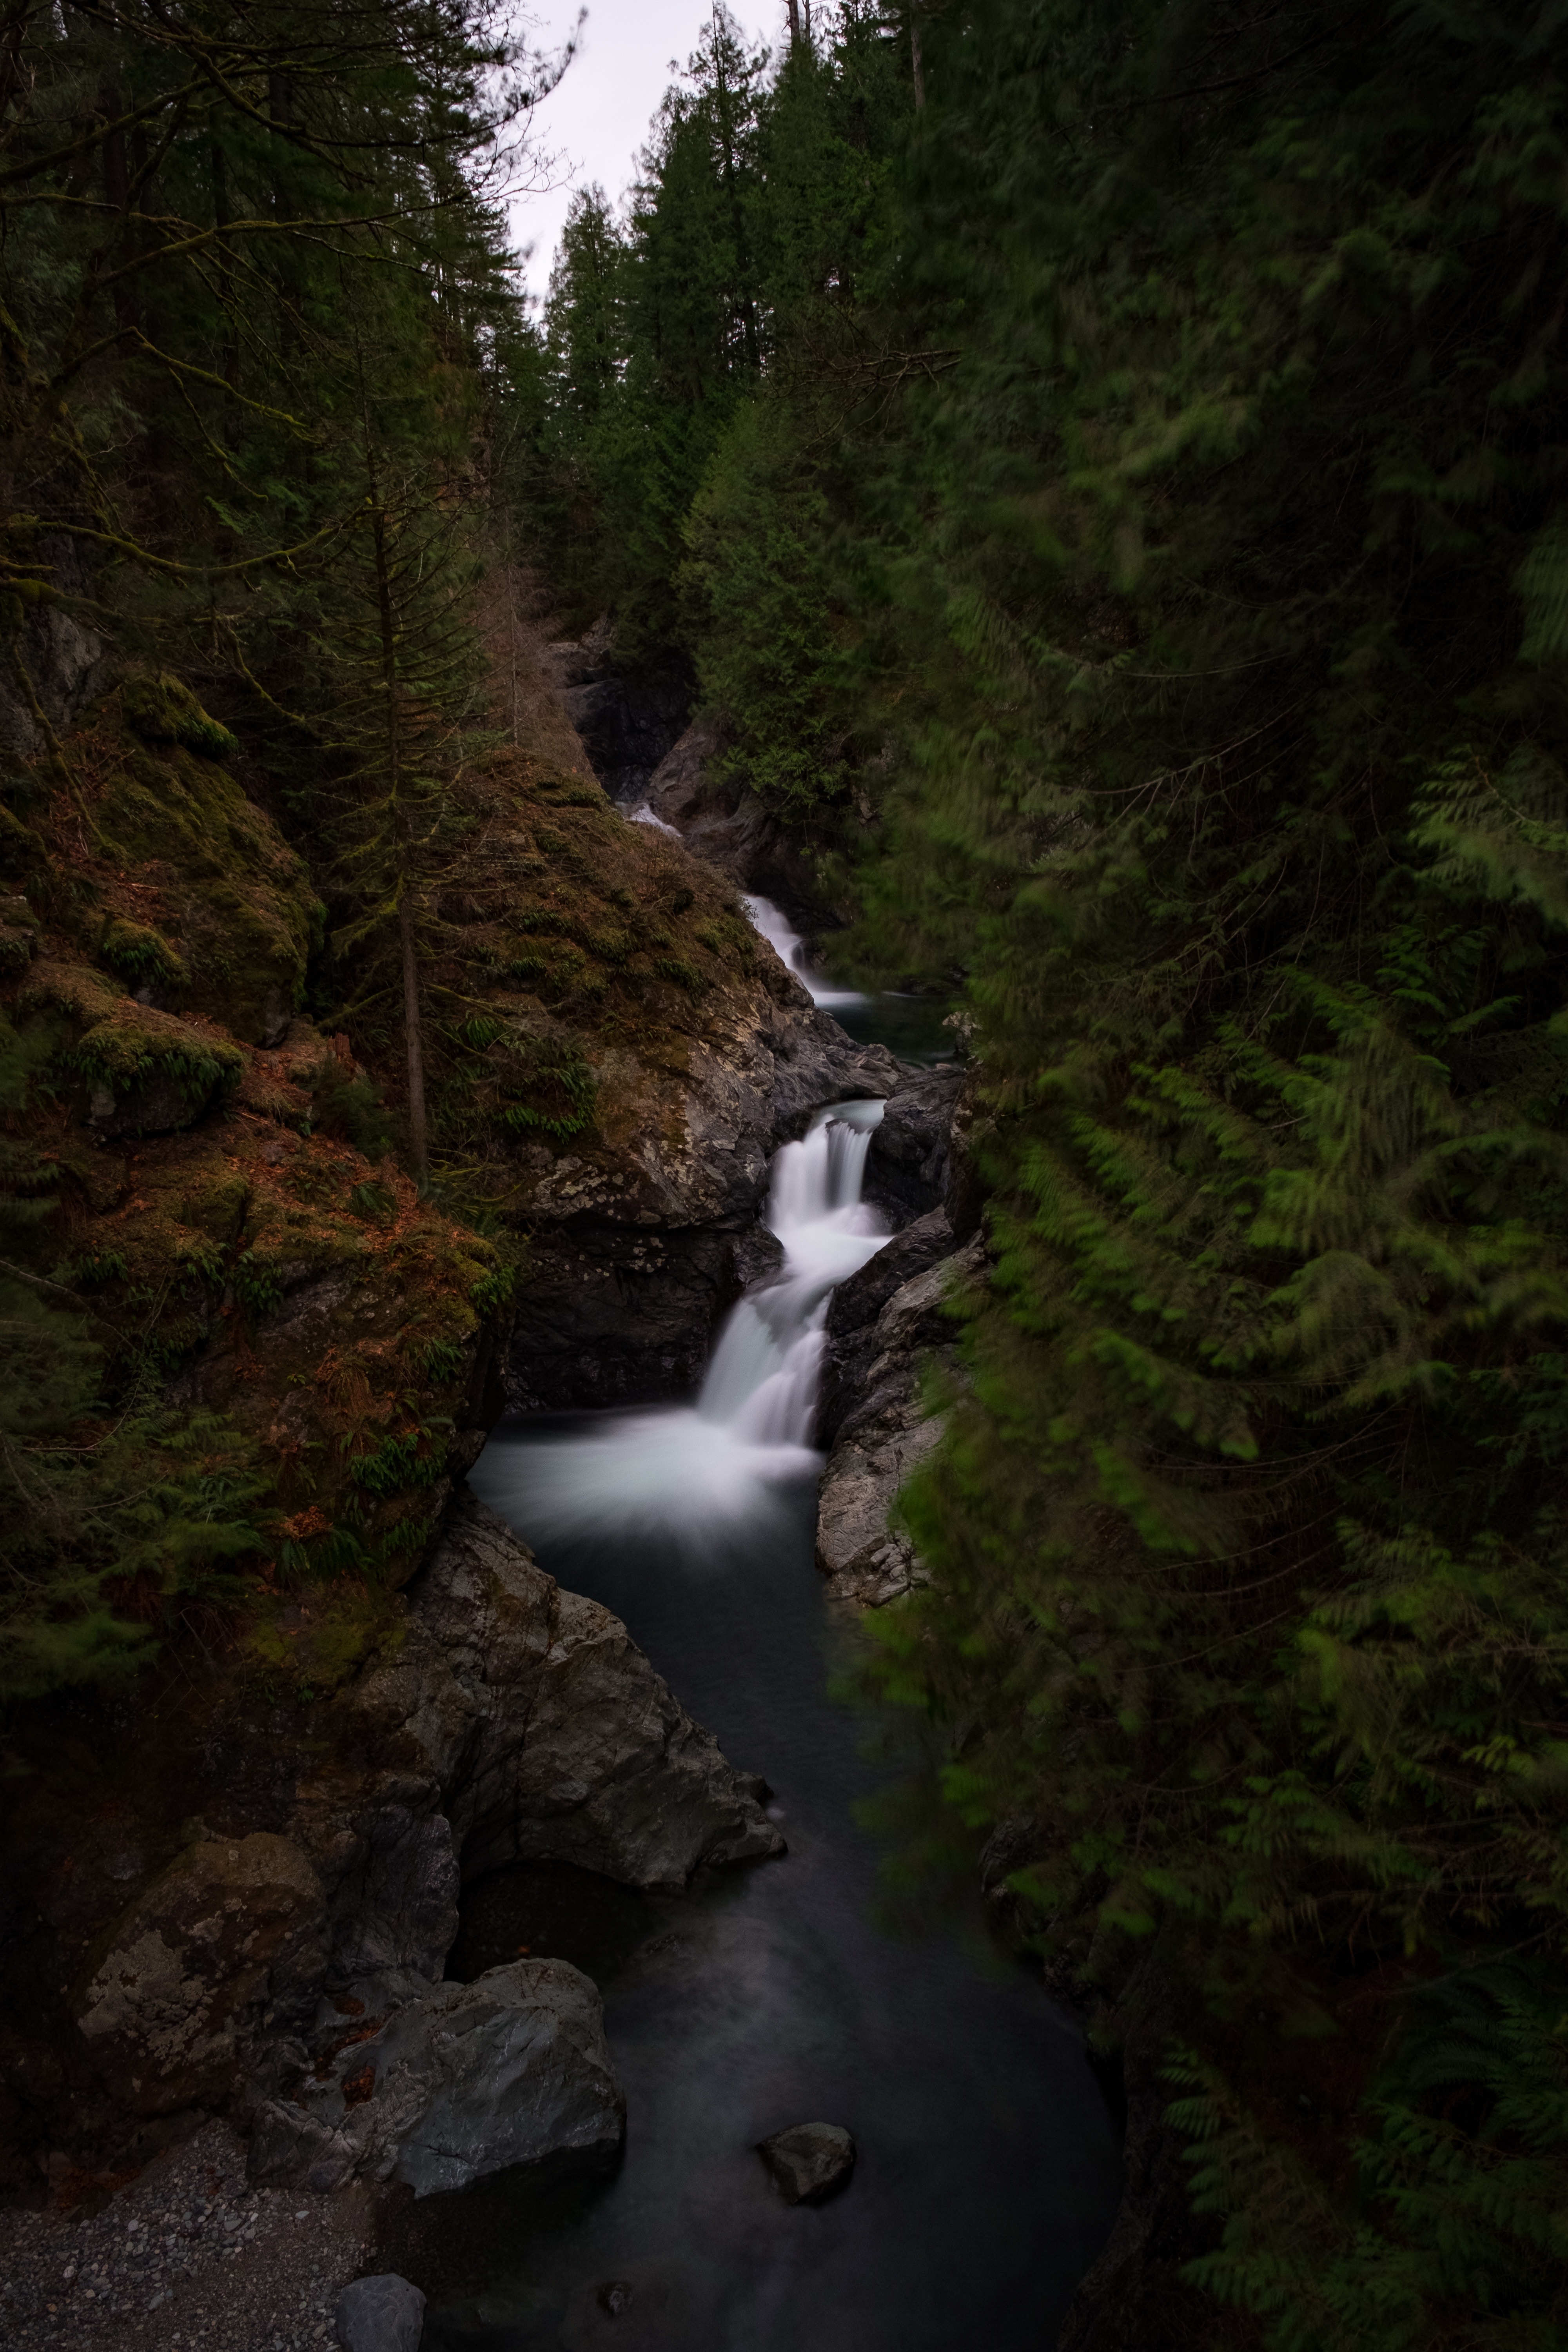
(790, 948)
(688, 1470)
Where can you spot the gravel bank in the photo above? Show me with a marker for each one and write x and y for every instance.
(185, 2256)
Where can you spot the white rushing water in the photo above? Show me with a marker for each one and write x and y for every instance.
(693, 1470)
(790, 948)
(645, 816)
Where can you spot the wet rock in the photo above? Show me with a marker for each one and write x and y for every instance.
(549, 1733)
(852, 1346)
(910, 1166)
(627, 718)
(379, 2315)
(632, 1256)
(809, 2161)
(881, 1431)
(466, 2081)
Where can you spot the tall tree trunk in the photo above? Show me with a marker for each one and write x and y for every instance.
(793, 6)
(413, 1036)
(915, 56)
(419, 1149)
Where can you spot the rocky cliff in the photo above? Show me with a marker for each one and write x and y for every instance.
(200, 1863)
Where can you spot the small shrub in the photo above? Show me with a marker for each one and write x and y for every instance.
(684, 975)
(257, 1286)
(350, 1108)
(493, 1290)
(553, 1091)
(415, 1458)
(371, 1199)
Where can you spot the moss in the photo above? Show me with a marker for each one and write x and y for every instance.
(180, 853)
(138, 953)
(162, 708)
(123, 1046)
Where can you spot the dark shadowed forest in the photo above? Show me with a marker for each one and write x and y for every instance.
(1101, 474)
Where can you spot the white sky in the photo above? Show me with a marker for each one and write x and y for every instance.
(598, 118)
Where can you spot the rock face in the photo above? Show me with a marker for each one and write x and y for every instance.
(718, 819)
(384, 2314)
(883, 1326)
(809, 2161)
(638, 1249)
(464, 2081)
(548, 1734)
(231, 1934)
(910, 1166)
(627, 719)
(65, 662)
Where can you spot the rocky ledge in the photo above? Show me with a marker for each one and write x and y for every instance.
(885, 1330)
(228, 1933)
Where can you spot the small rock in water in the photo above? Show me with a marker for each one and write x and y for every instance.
(809, 2161)
(384, 2314)
(615, 2297)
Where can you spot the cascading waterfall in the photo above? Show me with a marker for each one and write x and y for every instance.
(696, 1470)
(790, 948)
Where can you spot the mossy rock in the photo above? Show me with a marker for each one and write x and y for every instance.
(162, 708)
(212, 894)
(146, 1072)
(141, 956)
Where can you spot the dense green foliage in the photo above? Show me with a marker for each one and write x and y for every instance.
(735, 278)
(1155, 541)
(1224, 591)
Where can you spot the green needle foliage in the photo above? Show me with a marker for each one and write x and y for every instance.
(1214, 602)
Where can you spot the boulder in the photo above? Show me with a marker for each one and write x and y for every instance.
(385, 2314)
(467, 2080)
(852, 1346)
(809, 2161)
(547, 1733)
(181, 1982)
(910, 1166)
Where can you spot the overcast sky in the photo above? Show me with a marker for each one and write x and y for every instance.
(598, 118)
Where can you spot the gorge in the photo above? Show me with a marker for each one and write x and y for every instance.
(783, 1110)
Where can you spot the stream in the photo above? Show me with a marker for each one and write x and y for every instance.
(987, 2169)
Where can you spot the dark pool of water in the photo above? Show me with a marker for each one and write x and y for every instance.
(909, 1027)
(769, 1995)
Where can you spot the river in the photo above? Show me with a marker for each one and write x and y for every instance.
(987, 2170)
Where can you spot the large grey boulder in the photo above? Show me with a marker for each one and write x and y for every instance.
(385, 2314)
(467, 2080)
(550, 1734)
